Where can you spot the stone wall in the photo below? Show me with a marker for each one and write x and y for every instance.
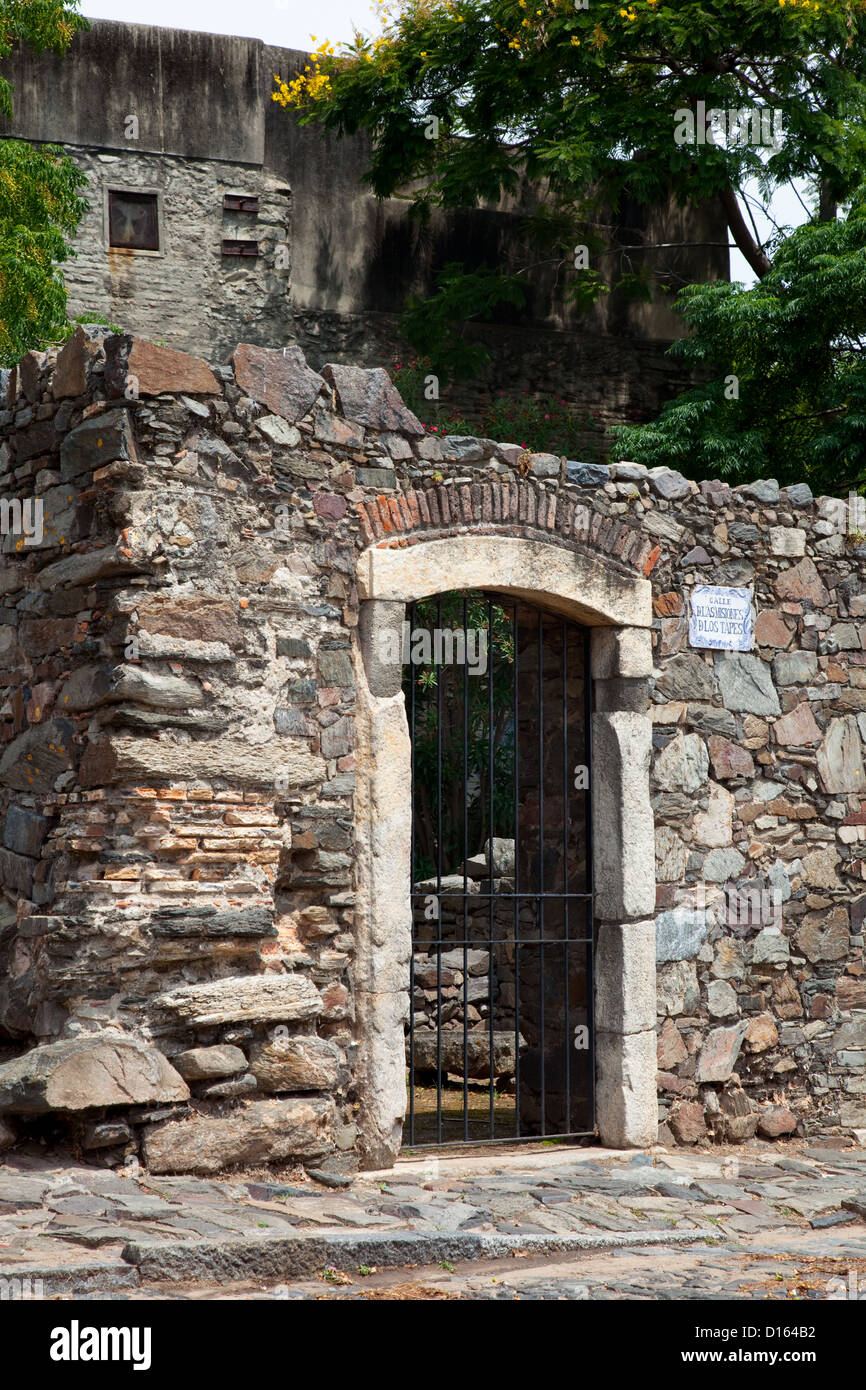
(179, 942)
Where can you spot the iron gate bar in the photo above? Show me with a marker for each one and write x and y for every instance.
(412, 883)
(439, 881)
(465, 883)
(491, 1088)
(509, 1139)
(540, 635)
(565, 877)
(590, 873)
(516, 884)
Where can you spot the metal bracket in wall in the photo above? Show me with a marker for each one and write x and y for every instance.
(240, 248)
(240, 202)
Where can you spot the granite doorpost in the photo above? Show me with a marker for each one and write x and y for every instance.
(624, 869)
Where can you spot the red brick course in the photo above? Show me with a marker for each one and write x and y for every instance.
(502, 508)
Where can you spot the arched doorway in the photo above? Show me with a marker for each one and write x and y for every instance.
(567, 582)
(499, 1033)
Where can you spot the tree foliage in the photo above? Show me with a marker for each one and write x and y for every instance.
(39, 201)
(786, 396)
(467, 99)
(480, 101)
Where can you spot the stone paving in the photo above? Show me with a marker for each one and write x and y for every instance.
(760, 1221)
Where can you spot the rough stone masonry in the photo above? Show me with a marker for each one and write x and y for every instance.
(184, 972)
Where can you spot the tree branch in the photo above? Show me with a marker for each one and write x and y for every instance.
(754, 254)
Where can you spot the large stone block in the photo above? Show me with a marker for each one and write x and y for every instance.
(626, 1102)
(34, 759)
(24, 831)
(380, 628)
(573, 581)
(98, 1069)
(720, 1051)
(205, 1063)
(295, 1064)
(16, 873)
(289, 998)
(118, 759)
(677, 988)
(99, 440)
(474, 1062)
(746, 684)
(623, 838)
(259, 1131)
(279, 379)
(625, 977)
(683, 765)
(70, 369)
(135, 367)
(802, 581)
(680, 933)
(686, 677)
(620, 651)
(840, 757)
(370, 398)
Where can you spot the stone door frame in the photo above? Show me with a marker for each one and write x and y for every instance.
(618, 608)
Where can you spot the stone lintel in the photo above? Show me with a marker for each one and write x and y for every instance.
(568, 581)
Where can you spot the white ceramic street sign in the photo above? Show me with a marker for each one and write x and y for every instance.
(720, 618)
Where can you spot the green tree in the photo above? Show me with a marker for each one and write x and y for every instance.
(601, 103)
(39, 201)
(787, 393)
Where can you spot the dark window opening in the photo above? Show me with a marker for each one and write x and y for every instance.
(133, 221)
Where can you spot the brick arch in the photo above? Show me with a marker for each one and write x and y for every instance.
(513, 508)
(594, 589)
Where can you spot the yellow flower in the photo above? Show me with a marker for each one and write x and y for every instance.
(575, 43)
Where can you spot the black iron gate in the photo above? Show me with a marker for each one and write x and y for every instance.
(499, 1043)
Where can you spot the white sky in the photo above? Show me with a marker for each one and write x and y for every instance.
(285, 22)
(290, 23)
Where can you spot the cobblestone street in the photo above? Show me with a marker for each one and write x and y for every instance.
(765, 1222)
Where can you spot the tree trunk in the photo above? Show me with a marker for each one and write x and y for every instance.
(827, 205)
(746, 243)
